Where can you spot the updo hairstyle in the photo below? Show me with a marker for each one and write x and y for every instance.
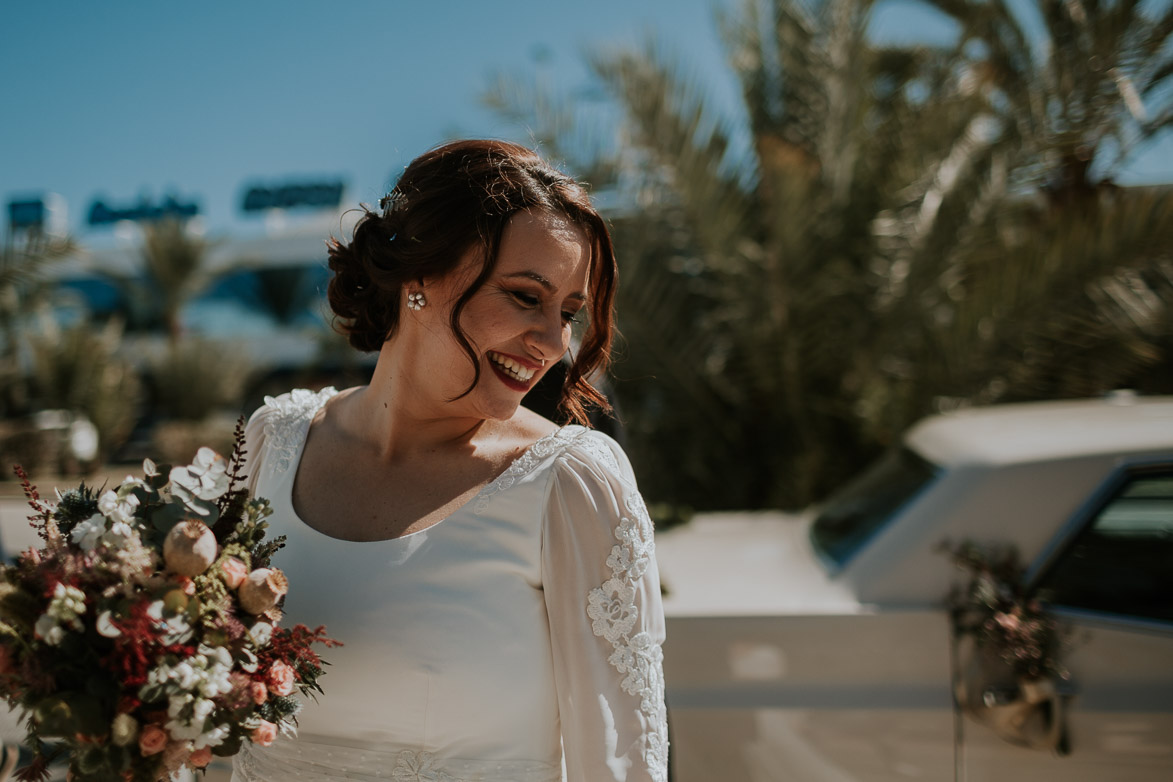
(455, 197)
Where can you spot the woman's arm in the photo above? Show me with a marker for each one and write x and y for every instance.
(602, 594)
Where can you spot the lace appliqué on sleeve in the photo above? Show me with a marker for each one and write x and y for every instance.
(287, 422)
(613, 611)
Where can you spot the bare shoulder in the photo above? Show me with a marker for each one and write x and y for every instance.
(339, 416)
(527, 427)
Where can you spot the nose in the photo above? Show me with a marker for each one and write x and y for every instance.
(548, 339)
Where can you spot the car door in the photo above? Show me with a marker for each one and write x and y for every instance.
(1108, 577)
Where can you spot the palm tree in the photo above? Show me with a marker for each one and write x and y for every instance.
(868, 255)
(284, 291)
(1081, 92)
(22, 289)
(80, 369)
(1075, 98)
(174, 271)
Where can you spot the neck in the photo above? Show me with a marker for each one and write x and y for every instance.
(400, 418)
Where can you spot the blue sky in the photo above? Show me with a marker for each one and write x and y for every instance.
(123, 99)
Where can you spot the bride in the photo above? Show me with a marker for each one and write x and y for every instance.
(491, 574)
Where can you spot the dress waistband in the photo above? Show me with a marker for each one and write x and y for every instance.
(309, 761)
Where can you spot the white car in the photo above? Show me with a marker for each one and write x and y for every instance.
(819, 647)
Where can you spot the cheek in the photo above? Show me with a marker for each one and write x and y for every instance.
(487, 323)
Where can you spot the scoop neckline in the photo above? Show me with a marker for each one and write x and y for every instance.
(492, 484)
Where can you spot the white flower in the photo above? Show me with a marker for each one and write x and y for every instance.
(67, 605)
(48, 630)
(178, 703)
(250, 662)
(206, 479)
(201, 710)
(105, 626)
(118, 508)
(212, 738)
(64, 610)
(175, 629)
(191, 686)
(217, 656)
(261, 633)
(184, 675)
(182, 730)
(119, 533)
(85, 534)
(131, 482)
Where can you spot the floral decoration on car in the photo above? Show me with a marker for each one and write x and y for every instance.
(995, 609)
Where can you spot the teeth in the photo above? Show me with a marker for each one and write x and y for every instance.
(511, 367)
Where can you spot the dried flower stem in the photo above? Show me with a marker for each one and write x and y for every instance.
(43, 516)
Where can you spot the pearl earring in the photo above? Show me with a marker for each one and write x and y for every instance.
(416, 301)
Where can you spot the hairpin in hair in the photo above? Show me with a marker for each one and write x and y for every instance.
(393, 201)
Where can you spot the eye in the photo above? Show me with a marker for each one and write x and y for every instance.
(525, 299)
(571, 317)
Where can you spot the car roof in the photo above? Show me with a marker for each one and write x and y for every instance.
(1121, 423)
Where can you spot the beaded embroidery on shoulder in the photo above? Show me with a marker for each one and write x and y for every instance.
(553, 443)
(597, 449)
(288, 419)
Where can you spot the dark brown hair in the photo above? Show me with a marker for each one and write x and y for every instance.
(452, 198)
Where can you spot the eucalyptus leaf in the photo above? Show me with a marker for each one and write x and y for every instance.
(167, 516)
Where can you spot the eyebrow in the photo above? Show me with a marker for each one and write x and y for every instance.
(545, 283)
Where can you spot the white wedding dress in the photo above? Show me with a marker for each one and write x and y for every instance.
(517, 640)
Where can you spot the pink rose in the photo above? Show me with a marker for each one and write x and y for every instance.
(200, 758)
(264, 733)
(152, 740)
(259, 692)
(234, 572)
(280, 679)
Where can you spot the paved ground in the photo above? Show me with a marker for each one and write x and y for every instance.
(15, 532)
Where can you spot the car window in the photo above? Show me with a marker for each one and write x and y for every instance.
(860, 509)
(1121, 562)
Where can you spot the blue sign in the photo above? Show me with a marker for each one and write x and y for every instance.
(143, 212)
(316, 195)
(26, 213)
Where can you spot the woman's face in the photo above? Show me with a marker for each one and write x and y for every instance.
(518, 322)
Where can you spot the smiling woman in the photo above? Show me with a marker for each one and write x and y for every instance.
(448, 214)
(491, 573)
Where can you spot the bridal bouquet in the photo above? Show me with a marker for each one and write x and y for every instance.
(143, 636)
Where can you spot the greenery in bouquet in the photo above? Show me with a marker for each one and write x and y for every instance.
(995, 608)
(143, 636)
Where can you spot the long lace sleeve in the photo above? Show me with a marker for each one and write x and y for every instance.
(602, 595)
